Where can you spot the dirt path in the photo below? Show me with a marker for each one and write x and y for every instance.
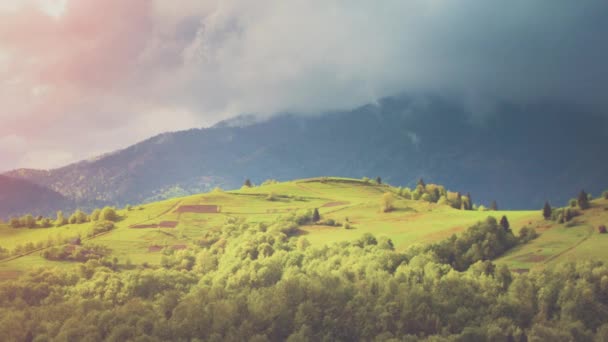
(553, 257)
(157, 216)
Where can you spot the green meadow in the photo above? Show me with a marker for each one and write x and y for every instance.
(140, 235)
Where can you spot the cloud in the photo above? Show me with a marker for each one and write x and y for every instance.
(119, 70)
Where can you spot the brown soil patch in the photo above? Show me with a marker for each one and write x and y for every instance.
(9, 274)
(531, 257)
(334, 204)
(198, 209)
(155, 249)
(168, 224)
(178, 247)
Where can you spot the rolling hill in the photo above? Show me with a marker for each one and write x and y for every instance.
(185, 222)
(521, 155)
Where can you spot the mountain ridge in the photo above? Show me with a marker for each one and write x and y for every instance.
(400, 139)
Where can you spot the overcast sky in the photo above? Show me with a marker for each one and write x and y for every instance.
(83, 77)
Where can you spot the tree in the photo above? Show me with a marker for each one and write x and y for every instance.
(605, 194)
(601, 229)
(14, 222)
(378, 180)
(28, 221)
(108, 214)
(421, 183)
(504, 223)
(583, 200)
(494, 206)
(78, 217)
(61, 220)
(470, 201)
(387, 202)
(95, 214)
(547, 211)
(315, 215)
(248, 183)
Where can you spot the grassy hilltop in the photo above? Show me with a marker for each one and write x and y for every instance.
(324, 259)
(181, 223)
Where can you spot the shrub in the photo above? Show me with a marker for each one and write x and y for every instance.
(526, 234)
(605, 194)
(108, 214)
(271, 196)
(14, 222)
(387, 202)
(61, 220)
(46, 223)
(95, 214)
(101, 226)
(347, 225)
(601, 229)
(572, 202)
(78, 217)
(28, 221)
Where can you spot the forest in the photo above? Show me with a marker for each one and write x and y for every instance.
(263, 282)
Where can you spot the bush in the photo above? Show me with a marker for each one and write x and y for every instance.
(601, 229)
(101, 226)
(573, 202)
(347, 225)
(108, 214)
(526, 234)
(387, 202)
(271, 196)
(78, 217)
(14, 222)
(28, 221)
(605, 194)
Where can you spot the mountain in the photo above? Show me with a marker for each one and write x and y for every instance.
(18, 196)
(518, 155)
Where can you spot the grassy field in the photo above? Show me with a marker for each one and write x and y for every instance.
(340, 199)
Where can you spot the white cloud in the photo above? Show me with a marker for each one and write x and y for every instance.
(82, 83)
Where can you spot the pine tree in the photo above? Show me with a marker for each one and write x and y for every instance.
(421, 183)
(378, 180)
(315, 215)
(504, 223)
(583, 200)
(547, 211)
(494, 206)
(470, 201)
(248, 183)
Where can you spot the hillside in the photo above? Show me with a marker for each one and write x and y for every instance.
(184, 222)
(227, 258)
(242, 255)
(399, 138)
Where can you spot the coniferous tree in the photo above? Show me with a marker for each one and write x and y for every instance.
(547, 211)
(248, 183)
(316, 216)
(504, 223)
(470, 201)
(583, 200)
(421, 183)
(378, 180)
(494, 206)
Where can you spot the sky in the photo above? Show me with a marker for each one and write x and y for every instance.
(79, 78)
